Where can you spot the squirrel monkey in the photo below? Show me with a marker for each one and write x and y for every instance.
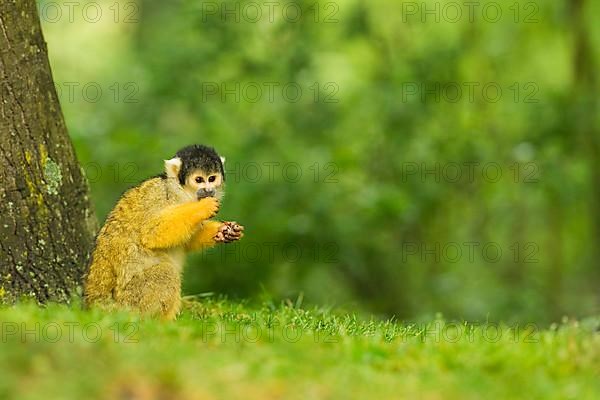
(140, 250)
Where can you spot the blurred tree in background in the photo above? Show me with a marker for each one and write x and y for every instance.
(421, 157)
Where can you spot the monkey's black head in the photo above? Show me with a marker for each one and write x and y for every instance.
(199, 170)
(199, 157)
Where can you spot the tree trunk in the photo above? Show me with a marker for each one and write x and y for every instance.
(46, 222)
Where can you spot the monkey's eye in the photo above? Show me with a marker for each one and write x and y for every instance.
(199, 179)
(212, 178)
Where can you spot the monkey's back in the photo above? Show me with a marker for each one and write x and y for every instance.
(119, 254)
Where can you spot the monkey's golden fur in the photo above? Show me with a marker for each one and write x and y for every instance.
(140, 251)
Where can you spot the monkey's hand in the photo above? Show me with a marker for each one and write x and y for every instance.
(208, 208)
(229, 232)
(213, 232)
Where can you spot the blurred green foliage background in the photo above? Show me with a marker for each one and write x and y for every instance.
(401, 158)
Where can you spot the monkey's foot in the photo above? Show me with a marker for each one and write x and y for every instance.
(229, 232)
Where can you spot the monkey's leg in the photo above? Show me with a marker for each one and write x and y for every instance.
(213, 232)
(156, 291)
(175, 225)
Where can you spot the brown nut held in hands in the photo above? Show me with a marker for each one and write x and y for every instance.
(229, 232)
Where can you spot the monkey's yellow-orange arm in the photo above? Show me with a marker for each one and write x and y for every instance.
(175, 225)
(205, 236)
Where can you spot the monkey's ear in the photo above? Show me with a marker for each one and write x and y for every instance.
(222, 160)
(172, 167)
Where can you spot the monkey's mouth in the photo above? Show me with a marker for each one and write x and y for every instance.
(202, 193)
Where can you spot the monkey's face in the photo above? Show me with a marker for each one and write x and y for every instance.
(199, 170)
(204, 184)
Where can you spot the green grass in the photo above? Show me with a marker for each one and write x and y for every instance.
(223, 350)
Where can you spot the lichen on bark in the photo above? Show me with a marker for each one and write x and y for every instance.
(52, 176)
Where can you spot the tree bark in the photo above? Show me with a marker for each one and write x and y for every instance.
(46, 221)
